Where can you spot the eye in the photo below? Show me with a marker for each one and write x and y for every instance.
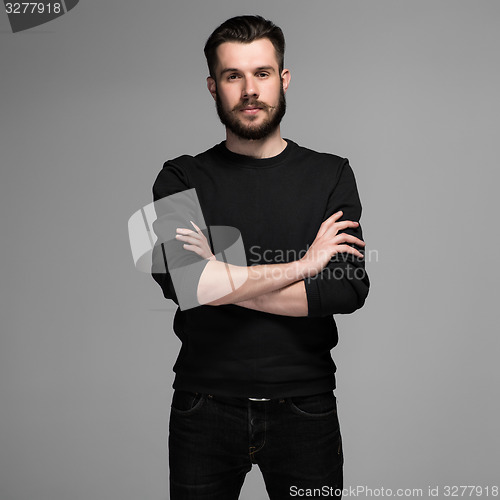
(230, 77)
(264, 74)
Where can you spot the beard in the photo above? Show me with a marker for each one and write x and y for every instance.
(247, 130)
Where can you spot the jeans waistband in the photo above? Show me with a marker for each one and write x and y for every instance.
(237, 401)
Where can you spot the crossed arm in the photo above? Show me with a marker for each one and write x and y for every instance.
(288, 300)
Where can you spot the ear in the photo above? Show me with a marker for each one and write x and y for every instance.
(285, 77)
(212, 87)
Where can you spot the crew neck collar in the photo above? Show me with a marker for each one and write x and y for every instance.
(250, 161)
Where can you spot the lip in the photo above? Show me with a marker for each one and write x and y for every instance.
(251, 111)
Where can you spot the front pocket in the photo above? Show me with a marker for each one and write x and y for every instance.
(186, 402)
(316, 405)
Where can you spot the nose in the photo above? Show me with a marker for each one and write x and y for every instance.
(249, 89)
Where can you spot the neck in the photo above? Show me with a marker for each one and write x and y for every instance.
(270, 146)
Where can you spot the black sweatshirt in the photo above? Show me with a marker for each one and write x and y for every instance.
(278, 205)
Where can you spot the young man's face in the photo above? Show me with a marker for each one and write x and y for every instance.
(249, 92)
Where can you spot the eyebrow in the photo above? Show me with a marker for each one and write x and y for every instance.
(260, 68)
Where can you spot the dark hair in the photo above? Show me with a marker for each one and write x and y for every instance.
(244, 29)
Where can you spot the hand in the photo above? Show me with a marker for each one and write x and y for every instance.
(197, 241)
(328, 243)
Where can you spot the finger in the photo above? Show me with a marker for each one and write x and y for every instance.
(339, 226)
(345, 224)
(196, 227)
(328, 222)
(348, 238)
(191, 234)
(193, 248)
(192, 238)
(351, 223)
(351, 250)
(358, 242)
(198, 234)
(334, 217)
(183, 230)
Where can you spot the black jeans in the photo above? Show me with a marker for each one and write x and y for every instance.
(214, 441)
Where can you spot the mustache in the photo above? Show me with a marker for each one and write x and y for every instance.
(256, 104)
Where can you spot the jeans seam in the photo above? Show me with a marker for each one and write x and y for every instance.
(264, 442)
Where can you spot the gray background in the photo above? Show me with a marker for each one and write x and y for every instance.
(94, 102)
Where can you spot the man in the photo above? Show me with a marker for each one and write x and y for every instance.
(254, 378)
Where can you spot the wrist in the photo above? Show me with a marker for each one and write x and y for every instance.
(248, 303)
(255, 302)
(301, 269)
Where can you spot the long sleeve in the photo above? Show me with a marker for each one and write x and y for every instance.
(343, 285)
(174, 268)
